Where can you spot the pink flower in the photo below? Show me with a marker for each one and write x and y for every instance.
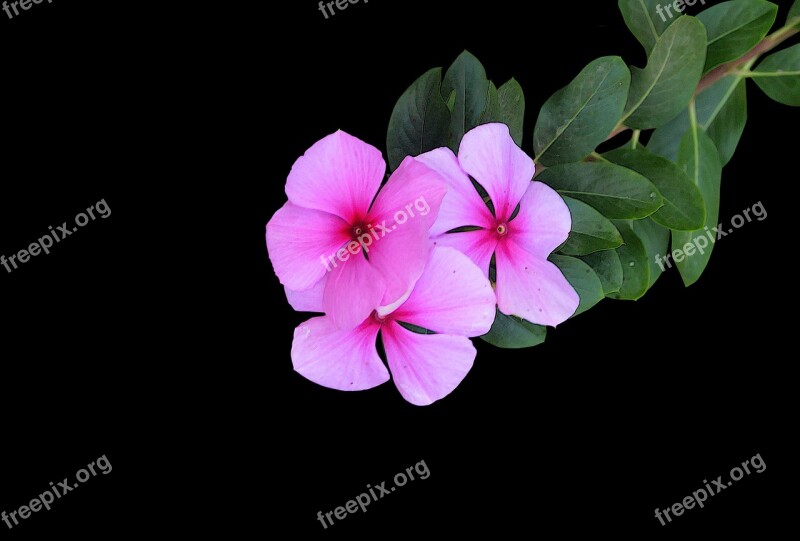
(369, 253)
(452, 298)
(528, 285)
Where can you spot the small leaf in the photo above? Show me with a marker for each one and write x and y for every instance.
(616, 192)
(582, 278)
(511, 332)
(735, 27)
(646, 19)
(635, 266)
(699, 158)
(468, 79)
(420, 120)
(779, 76)
(794, 13)
(507, 105)
(659, 91)
(591, 231)
(581, 115)
(608, 268)
(683, 204)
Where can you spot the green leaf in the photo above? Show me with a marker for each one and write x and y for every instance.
(646, 19)
(511, 332)
(683, 205)
(591, 231)
(779, 76)
(794, 12)
(581, 115)
(699, 158)
(608, 268)
(674, 67)
(721, 111)
(582, 278)
(655, 239)
(420, 120)
(635, 266)
(736, 27)
(616, 192)
(468, 79)
(414, 328)
(507, 105)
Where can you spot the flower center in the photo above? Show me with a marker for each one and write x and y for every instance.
(377, 317)
(502, 230)
(357, 231)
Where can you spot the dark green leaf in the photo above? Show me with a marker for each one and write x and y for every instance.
(617, 192)
(415, 328)
(698, 157)
(507, 105)
(683, 205)
(779, 76)
(608, 268)
(655, 239)
(511, 332)
(468, 79)
(582, 278)
(646, 19)
(591, 231)
(635, 266)
(735, 27)
(581, 115)
(420, 120)
(659, 91)
(721, 111)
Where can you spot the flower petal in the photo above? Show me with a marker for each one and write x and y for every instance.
(398, 223)
(490, 156)
(478, 245)
(309, 300)
(399, 258)
(531, 287)
(452, 296)
(298, 239)
(339, 174)
(543, 222)
(426, 368)
(353, 291)
(414, 190)
(462, 205)
(343, 360)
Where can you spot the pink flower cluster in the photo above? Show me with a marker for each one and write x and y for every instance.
(430, 273)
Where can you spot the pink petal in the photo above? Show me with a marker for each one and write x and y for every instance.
(398, 224)
(298, 239)
(543, 222)
(452, 296)
(399, 258)
(531, 287)
(353, 291)
(309, 300)
(339, 174)
(478, 245)
(412, 195)
(426, 368)
(462, 205)
(343, 360)
(490, 156)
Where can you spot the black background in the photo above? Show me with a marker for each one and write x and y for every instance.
(160, 336)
